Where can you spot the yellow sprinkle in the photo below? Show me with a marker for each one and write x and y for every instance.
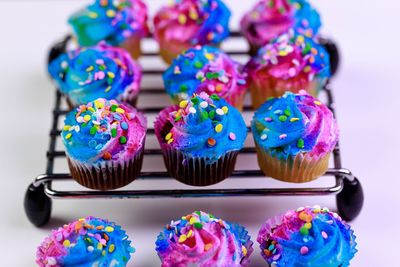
(182, 19)
(170, 141)
(190, 233)
(91, 109)
(182, 238)
(99, 246)
(109, 229)
(225, 109)
(209, 56)
(90, 68)
(66, 127)
(81, 219)
(294, 119)
(110, 13)
(307, 69)
(66, 243)
(108, 89)
(300, 38)
(93, 15)
(193, 15)
(111, 248)
(317, 103)
(207, 247)
(183, 104)
(193, 220)
(103, 253)
(168, 136)
(98, 104)
(120, 110)
(68, 136)
(244, 250)
(87, 118)
(219, 128)
(111, 75)
(282, 53)
(308, 225)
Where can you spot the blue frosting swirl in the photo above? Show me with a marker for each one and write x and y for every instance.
(110, 21)
(305, 13)
(96, 72)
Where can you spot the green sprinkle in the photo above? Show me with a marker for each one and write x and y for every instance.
(211, 114)
(178, 118)
(122, 140)
(198, 225)
(114, 108)
(195, 100)
(113, 132)
(93, 130)
(282, 118)
(304, 231)
(300, 143)
(183, 88)
(307, 48)
(110, 80)
(282, 10)
(204, 115)
(102, 67)
(198, 64)
(287, 112)
(214, 97)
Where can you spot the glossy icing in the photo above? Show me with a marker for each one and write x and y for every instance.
(307, 237)
(270, 18)
(202, 240)
(112, 21)
(204, 69)
(87, 242)
(103, 130)
(203, 126)
(86, 74)
(193, 22)
(293, 124)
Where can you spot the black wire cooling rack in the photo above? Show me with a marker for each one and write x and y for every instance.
(37, 202)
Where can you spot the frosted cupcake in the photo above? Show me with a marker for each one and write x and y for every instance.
(200, 139)
(202, 240)
(270, 18)
(294, 136)
(121, 23)
(186, 23)
(206, 69)
(101, 71)
(104, 143)
(87, 242)
(307, 237)
(290, 63)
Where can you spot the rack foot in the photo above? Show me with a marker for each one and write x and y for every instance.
(37, 205)
(333, 51)
(350, 200)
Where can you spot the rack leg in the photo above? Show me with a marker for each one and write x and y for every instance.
(350, 200)
(333, 51)
(37, 205)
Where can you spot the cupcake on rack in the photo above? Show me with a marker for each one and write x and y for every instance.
(200, 139)
(307, 237)
(292, 62)
(187, 23)
(270, 18)
(87, 242)
(202, 240)
(121, 23)
(294, 136)
(104, 143)
(206, 69)
(100, 71)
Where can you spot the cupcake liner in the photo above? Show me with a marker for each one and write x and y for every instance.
(170, 50)
(133, 46)
(263, 88)
(245, 239)
(107, 175)
(295, 169)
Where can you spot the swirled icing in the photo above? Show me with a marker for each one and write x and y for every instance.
(204, 69)
(111, 21)
(307, 237)
(193, 21)
(293, 124)
(87, 242)
(103, 130)
(202, 240)
(89, 73)
(291, 57)
(204, 126)
(270, 18)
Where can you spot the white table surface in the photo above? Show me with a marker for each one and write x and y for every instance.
(367, 93)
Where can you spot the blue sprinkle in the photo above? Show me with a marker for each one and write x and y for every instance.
(124, 126)
(99, 146)
(92, 143)
(117, 117)
(241, 82)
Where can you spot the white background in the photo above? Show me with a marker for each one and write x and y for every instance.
(367, 93)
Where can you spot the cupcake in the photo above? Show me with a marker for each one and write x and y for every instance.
(200, 139)
(104, 143)
(206, 69)
(270, 18)
(202, 240)
(87, 242)
(294, 136)
(121, 23)
(188, 23)
(290, 63)
(307, 237)
(101, 71)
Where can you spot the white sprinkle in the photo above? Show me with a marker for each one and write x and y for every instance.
(282, 136)
(64, 64)
(79, 119)
(278, 112)
(289, 49)
(300, 209)
(90, 248)
(324, 234)
(295, 62)
(223, 79)
(264, 136)
(204, 104)
(51, 261)
(192, 110)
(292, 72)
(200, 75)
(96, 122)
(77, 129)
(274, 60)
(220, 112)
(317, 207)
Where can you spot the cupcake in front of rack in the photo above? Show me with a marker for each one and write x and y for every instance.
(307, 237)
(292, 62)
(200, 239)
(206, 69)
(86, 242)
(121, 23)
(294, 137)
(270, 18)
(187, 23)
(200, 139)
(104, 143)
(100, 71)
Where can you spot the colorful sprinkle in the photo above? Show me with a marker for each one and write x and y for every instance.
(232, 136)
(219, 128)
(303, 250)
(211, 142)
